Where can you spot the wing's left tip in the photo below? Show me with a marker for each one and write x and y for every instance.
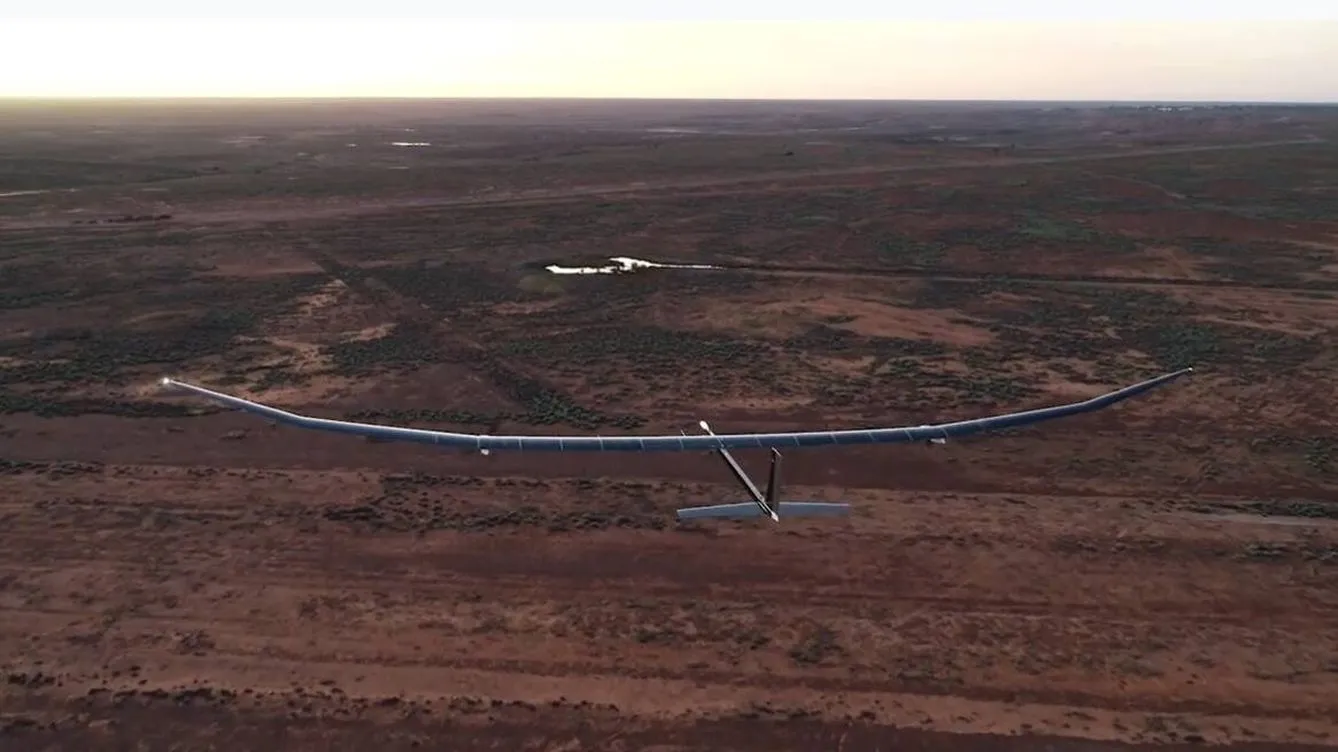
(1172, 375)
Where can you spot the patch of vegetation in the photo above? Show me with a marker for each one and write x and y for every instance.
(979, 387)
(734, 215)
(1290, 508)
(956, 294)
(909, 368)
(607, 300)
(419, 416)
(899, 250)
(453, 287)
(1090, 199)
(625, 362)
(964, 199)
(465, 232)
(816, 646)
(914, 373)
(1259, 263)
(408, 345)
(1315, 554)
(47, 407)
(50, 469)
(649, 346)
(1319, 452)
(51, 362)
(546, 406)
(422, 502)
(43, 283)
(984, 238)
(1280, 183)
(81, 355)
(1034, 232)
(272, 377)
(398, 516)
(1163, 328)
(554, 410)
(833, 339)
(1091, 323)
(1066, 231)
(46, 173)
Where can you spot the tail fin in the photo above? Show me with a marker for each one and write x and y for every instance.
(742, 477)
(773, 480)
(767, 505)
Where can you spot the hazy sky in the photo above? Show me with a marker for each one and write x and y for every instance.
(832, 49)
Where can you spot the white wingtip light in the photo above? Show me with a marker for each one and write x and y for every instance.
(705, 427)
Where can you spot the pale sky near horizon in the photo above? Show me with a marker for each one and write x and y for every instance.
(851, 50)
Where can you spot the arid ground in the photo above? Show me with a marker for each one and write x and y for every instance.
(176, 576)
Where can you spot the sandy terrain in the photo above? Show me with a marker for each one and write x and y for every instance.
(1162, 574)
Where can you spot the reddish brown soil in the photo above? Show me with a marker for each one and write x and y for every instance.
(1107, 582)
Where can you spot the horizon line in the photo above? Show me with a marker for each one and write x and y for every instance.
(447, 98)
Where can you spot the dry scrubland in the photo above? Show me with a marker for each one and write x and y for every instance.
(1165, 572)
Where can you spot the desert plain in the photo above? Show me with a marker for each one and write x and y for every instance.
(1161, 574)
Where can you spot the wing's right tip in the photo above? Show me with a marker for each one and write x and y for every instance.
(1172, 375)
(1165, 378)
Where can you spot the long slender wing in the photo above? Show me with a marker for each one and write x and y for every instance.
(663, 443)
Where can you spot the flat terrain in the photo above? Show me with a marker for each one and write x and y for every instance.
(1161, 574)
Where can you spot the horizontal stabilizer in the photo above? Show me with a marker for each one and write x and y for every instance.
(813, 509)
(750, 510)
